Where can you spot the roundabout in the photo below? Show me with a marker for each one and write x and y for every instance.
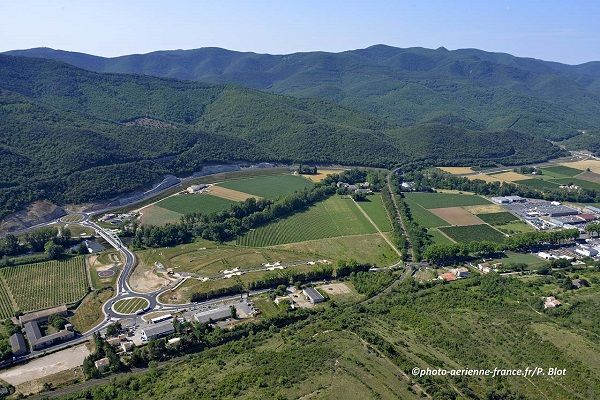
(131, 305)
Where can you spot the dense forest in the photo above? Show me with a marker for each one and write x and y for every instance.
(465, 88)
(72, 136)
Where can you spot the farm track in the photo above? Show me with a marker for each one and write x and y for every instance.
(388, 241)
(397, 210)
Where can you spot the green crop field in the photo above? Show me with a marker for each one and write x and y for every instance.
(195, 203)
(441, 200)
(560, 171)
(535, 183)
(472, 233)
(423, 217)
(333, 217)
(269, 186)
(131, 305)
(46, 284)
(373, 206)
(498, 218)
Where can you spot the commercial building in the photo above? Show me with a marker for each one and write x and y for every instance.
(313, 295)
(586, 251)
(157, 330)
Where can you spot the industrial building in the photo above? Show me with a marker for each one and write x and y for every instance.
(157, 330)
(216, 314)
(313, 295)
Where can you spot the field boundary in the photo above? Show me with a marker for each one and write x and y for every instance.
(388, 241)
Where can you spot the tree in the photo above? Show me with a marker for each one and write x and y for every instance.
(53, 250)
(10, 245)
(233, 312)
(113, 329)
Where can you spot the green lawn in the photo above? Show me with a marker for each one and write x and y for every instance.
(333, 217)
(440, 200)
(374, 208)
(192, 203)
(472, 233)
(269, 186)
(498, 218)
(560, 171)
(513, 227)
(520, 258)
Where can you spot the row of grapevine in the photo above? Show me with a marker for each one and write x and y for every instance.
(47, 284)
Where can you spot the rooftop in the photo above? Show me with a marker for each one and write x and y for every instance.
(313, 294)
(34, 316)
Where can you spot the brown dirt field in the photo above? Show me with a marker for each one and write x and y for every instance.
(145, 280)
(589, 176)
(508, 176)
(485, 209)
(322, 174)
(456, 216)
(457, 170)
(335, 288)
(229, 194)
(593, 165)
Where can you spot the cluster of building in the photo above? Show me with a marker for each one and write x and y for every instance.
(31, 324)
(363, 187)
(454, 274)
(117, 219)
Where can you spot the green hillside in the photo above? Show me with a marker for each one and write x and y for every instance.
(468, 88)
(72, 136)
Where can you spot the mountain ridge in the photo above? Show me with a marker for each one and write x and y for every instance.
(407, 86)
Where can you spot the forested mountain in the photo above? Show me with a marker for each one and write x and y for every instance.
(71, 135)
(466, 88)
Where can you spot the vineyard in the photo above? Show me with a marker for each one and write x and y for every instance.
(42, 285)
(330, 218)
(7, 308)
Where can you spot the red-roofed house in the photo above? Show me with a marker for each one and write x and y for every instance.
(448, 277)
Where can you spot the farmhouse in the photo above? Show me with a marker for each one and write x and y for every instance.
(17, 344)
(102, 364)
(126, 346)
(484, 267)
(313, 295)
(551, 302)
(157, 330)
(196, 188)
(579, 283)
(448, 277)
(38, 341)
(42, 316)
(461, 272)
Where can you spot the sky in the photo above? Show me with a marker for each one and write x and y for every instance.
(556, 30)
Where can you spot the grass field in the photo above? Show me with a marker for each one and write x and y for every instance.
(579, 182)
(333, 217)
(362, 248)
(374, 208)
(46, 284)
(424, 217)
(520, 258)
(535, 183)
(131, 305)
(437, 236)
(499, 218)
(89, 313)
(561, 170)
(269, 186)
(210, 259)
(158, 216)
(513, 227)
(195, 203)
(441, 200)
(472, 233)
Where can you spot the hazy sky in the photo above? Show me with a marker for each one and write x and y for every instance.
(566, 31)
